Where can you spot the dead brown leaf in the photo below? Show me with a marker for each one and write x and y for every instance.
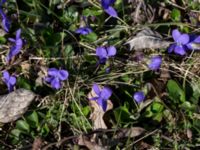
(37, 144)
(25, 66)
(15, 104)
(41, 75)
(84, 141)
(97, 112)
(129, 132)
(142, 12)
(147, 39)
(189, 134)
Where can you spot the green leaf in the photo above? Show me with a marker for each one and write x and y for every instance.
(125, 78)
(148, 112)
(122, 114)
(45, 130)
(24, 83)
(176, 15)
(157, 107)
(91, 12)
(188, 106)
(70, 15)
(15, 135)
(158, 117)
(56, 38)
(2, 40)
(23, 126)
(68, 50)
(86, 110)
(175, 92)
(33, 120)
(89, 37)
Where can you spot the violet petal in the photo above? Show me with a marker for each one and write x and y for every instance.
(96, 89)
(183, 39)
(111, 51)
(111, 11)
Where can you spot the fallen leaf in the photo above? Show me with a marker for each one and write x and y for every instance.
(2, 32)
(143, 146)
(147, 39)
(142, 12)
(144, 104)
(97, 112)
(15, 104)
(84, 141)
(37, 144)
(189, 134)
(129, 132)
(164, 12)
(25, 66)
(42, 73)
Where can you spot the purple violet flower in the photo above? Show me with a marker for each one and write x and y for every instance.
(194, 43)
(15, 49)
(107, 8)
(5, 21)
(2, 2)
(102, 95)
(107, 70)
(10, 81)
(181, 41)
(83, 30)
(155, 63)
(139, 96)
(105, 52)
(55, 77)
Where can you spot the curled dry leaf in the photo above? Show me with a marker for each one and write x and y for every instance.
(97, 112)
(83, 140)
(15, 104)
(143, 13)
(42, 73)
(144, 104)
(129, 132)
(147, 39)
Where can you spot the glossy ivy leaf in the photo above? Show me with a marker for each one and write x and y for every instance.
(33, 119)
(175, 92)
(15, 135)
(23, 126)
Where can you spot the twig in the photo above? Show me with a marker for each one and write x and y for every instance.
(142, 138)
(76, 136)
(6, 144)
